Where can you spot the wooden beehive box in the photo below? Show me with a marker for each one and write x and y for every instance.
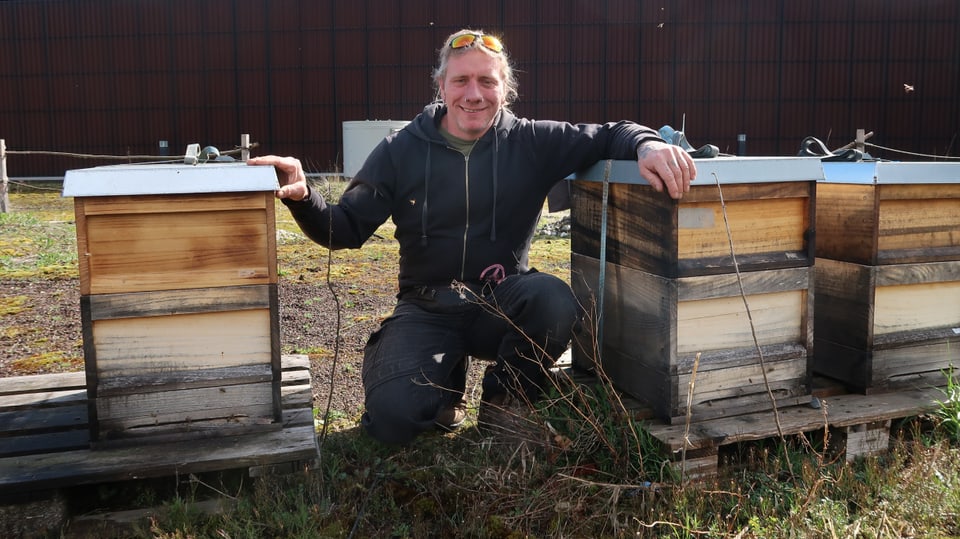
(887, 326)
(178, 287)
(672, 293)
(769, 205)
(888, 274)
(889, 213)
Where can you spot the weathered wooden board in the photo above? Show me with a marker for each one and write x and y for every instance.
(655, 330)
(185, 301)
(862, 440)
(65, 395)
(886, 326)
(83, 467)
(40, 442)
(771, 226)
(888, 224)
(837, 411)
(240, 403)
(715, 393)
(53, 427)
(64, 406)
(179, 380)
(32, 384)
(157, 344)
(41, 413)
(48, 413)
(167, 242)
(702, 465)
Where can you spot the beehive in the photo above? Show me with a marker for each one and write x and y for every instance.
(888, 274)
(673, 314)
(178, 287)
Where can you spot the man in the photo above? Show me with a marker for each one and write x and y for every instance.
(465, 183)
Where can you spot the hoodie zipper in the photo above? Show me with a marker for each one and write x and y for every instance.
(466, 224)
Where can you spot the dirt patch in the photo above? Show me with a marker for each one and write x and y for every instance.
(310, 316)
(40, 329)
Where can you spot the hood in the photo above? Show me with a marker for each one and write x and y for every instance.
(426, 126)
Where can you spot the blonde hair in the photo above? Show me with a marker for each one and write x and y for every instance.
(506, 69)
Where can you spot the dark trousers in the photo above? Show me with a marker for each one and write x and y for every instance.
(413, 364)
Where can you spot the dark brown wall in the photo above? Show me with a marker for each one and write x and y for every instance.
(116, 76)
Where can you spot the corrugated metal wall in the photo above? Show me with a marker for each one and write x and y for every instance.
(117, 76)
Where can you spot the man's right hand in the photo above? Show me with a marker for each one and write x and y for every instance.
(293, 182)
(666, 167)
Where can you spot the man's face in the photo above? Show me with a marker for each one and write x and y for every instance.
(473, 90)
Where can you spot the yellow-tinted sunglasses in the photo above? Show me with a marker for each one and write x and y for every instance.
(465, 40)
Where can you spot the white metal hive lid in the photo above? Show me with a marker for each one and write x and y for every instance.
(168, 179)
(728, 170)
(892, 172)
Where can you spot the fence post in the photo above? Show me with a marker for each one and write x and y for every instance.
(4, 194)
(244, 147)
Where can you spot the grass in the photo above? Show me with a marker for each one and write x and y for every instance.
(38, 238)
(948, 412)
(464, 486)
(601, 475)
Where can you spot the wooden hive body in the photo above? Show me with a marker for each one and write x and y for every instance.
(771, 221)
(178, 287)
(889, 213)
(888, 274)
(672, 293)
(887, 326)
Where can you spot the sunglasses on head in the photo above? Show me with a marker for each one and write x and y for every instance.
(465, 40)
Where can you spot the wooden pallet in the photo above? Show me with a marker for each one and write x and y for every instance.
(859, 424)
(44, 437)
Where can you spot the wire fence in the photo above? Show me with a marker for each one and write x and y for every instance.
(243, 151)
(193, 154)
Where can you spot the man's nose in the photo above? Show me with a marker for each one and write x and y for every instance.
(472, 91)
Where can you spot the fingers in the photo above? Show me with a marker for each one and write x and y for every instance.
(286, 165)
(293, 182)
(666, 167)
(295, 191)
(684, 170)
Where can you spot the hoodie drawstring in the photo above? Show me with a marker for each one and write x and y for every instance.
(496, 151)
(426, 192)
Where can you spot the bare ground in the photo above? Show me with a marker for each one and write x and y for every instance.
(41, 322)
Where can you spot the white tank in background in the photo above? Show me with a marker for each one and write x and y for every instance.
(361, 137)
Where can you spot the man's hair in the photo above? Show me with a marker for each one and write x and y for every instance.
(506, 69)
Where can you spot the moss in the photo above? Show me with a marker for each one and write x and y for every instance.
(13, 305)
(47, 362)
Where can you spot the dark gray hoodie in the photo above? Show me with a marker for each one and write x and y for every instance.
(457, 215)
